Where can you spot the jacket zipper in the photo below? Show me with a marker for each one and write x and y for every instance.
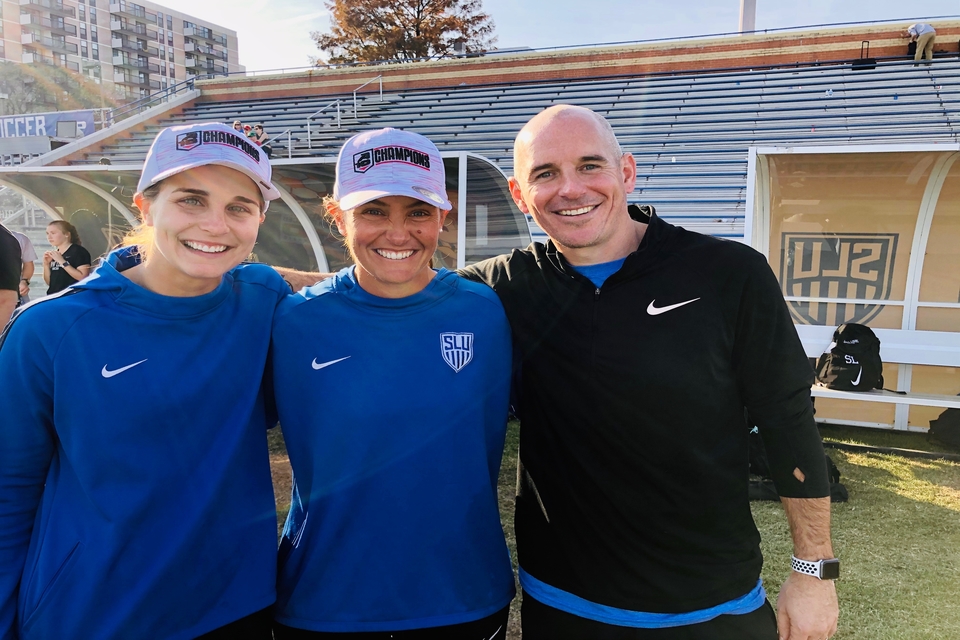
(594, 329)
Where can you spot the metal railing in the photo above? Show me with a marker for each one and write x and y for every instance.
(50, 5)
(289, 142)
(142, 104)
(335, 103)
(380, 78)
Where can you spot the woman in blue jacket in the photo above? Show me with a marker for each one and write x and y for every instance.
(135, 489)
(392, 385)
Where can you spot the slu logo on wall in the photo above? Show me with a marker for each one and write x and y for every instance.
(848, 265)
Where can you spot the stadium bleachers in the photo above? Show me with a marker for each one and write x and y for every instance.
(689, 133)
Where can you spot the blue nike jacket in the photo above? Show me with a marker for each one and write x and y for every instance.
(394, 412)
(135, 490)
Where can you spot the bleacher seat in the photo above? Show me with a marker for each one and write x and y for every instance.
(690, 133)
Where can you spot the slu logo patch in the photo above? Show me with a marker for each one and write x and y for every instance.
(456, 349)
(848, 265)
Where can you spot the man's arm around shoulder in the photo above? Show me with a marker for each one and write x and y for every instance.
(300, 279)
(495, 271)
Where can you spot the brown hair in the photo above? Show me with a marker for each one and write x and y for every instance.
(141, 236)
(328, 204)
(68, 229)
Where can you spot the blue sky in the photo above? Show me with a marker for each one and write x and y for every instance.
(276, 33)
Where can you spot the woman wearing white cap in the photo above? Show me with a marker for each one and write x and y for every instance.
(392, 384)
(135, 490)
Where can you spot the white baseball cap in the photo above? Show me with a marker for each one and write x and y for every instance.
(389, 162)
(178, 149)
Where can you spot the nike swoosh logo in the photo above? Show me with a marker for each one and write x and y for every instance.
(106, 373)
(655, 311)
(859, 375)
(317, 366)
(495, 633)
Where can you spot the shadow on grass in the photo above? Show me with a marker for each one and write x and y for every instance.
(898, 538)
(899, 542)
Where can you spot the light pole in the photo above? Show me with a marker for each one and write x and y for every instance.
(748, 15)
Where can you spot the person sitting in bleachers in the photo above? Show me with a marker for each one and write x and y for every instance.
(262, 139)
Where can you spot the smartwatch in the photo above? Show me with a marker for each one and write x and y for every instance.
(828, 569)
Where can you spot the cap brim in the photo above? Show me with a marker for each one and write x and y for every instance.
(359, 198)
(267, 189)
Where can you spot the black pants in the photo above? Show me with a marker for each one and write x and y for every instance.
(541, 622)
(255, 626)
(490, 628)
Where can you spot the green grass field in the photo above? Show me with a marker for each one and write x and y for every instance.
(898, 537)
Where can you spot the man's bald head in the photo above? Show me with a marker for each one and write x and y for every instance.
(570, 174)
(557, 115)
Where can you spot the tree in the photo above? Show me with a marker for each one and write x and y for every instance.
(403, 30)
(40, 87)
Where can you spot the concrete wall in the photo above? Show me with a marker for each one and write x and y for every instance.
(775, 49)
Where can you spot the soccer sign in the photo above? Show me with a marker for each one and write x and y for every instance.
(845, 265)
(456, 349)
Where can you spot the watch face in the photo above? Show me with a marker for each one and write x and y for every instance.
(830, 570)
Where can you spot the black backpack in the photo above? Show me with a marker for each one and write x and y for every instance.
(852, 361)
(946, 427)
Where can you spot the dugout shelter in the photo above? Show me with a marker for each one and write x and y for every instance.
(98, 199)
(868, 234)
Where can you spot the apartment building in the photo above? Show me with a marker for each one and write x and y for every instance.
(136, 49)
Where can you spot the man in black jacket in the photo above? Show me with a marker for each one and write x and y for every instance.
(641, 347)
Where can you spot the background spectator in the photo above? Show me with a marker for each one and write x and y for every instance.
(9, 273)
(27, 255)
(262, 139)
(67, 262)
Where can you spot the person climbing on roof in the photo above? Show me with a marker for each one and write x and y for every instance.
(923, 34)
